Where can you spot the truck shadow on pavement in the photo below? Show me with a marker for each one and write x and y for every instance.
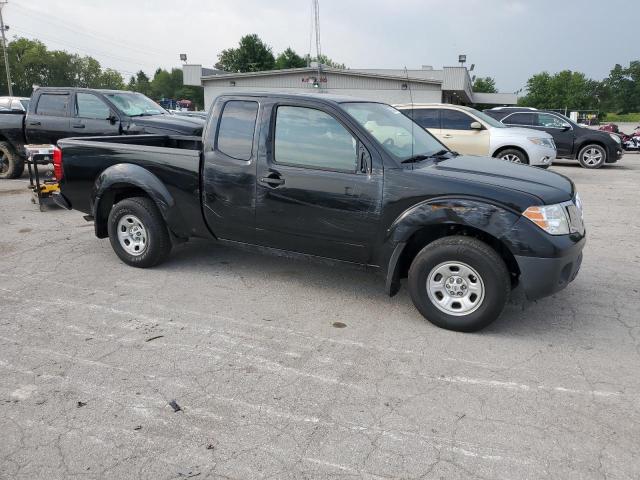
(259, 270)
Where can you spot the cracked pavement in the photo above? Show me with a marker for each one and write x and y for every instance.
(92, 352)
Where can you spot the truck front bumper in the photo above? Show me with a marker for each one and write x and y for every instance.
(541, 277)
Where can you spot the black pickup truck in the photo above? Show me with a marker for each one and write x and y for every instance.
(56, 113)
(340, 179)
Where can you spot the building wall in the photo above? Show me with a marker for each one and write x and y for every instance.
(368, 88)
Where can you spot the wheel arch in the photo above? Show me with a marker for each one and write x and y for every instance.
(125, 181)
(502, 148)
(586, 142)
(430, 221)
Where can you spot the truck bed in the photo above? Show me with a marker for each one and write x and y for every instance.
(173, 159)
(181, 142)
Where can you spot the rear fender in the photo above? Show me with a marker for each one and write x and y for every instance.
(126, 177)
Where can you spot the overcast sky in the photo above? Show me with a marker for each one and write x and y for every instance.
(507, 39)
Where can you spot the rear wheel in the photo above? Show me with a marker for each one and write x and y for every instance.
(459, 283)
(592, 156)
(11, 164)
(513, 155)
(138, 233)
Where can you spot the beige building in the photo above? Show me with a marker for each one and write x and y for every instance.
(425, 85)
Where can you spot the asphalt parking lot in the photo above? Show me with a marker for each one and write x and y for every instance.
(286, 369)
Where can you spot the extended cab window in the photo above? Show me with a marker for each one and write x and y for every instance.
(456, 120)
(427, 117)
(521, 118)
(53, 104)
(90, 106)
(237, 124)
(307, 137)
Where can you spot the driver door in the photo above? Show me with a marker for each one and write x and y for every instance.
(317, 192)
(93, 117)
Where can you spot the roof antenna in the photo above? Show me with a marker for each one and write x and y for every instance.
(413, 140)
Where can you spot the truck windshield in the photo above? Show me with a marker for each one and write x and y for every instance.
(135, 104)
(397, 134)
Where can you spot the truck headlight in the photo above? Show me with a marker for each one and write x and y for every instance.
(615, 137)
(543, 142)
(551, 218)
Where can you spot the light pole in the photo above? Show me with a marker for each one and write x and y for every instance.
(4, 49)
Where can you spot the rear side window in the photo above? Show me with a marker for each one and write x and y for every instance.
(521, 118)
(427, 117)
(310, 138)
(456, 120)
(547, 120)
(90, 106)
(237, 125)
(53, 104)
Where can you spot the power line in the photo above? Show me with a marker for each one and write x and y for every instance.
(85, 51)
(50, 18)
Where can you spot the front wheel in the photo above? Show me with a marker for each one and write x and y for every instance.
(592, 156)
(459, 283)
(138, 233)
(513, 155)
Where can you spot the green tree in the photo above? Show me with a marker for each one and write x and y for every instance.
(485, 85)
(111, 79)
(32, 64)
(564, 89)
(140, 83)
(252, 55)
(289, 59)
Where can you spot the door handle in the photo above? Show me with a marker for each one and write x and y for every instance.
(271, 181)
(447, 136)
(34, 124)
(77, 126)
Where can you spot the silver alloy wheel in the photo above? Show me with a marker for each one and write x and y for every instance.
(132, 235)
(592, 156)
(510, 157)
(455, 288)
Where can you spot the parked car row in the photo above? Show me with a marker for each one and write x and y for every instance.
(592, 148)
(54, 113)
(468, 131)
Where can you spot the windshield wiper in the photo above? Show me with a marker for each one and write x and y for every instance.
(415, 158)
(439, 154)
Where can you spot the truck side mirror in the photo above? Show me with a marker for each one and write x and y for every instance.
(113, 118)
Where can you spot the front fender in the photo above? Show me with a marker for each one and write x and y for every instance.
(491, 219)
(126, 176)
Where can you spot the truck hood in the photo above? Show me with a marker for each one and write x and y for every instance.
(549, 187)
(169, 124)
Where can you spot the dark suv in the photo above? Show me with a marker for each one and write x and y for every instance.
(591, 148)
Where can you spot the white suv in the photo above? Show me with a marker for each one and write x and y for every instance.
(470, 132)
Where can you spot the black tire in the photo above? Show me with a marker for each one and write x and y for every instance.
(11, 164)
(493, 273)
(588, 156)
(157, 240)
(513, 155)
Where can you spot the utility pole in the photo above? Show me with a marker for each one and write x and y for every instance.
(4, 48)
